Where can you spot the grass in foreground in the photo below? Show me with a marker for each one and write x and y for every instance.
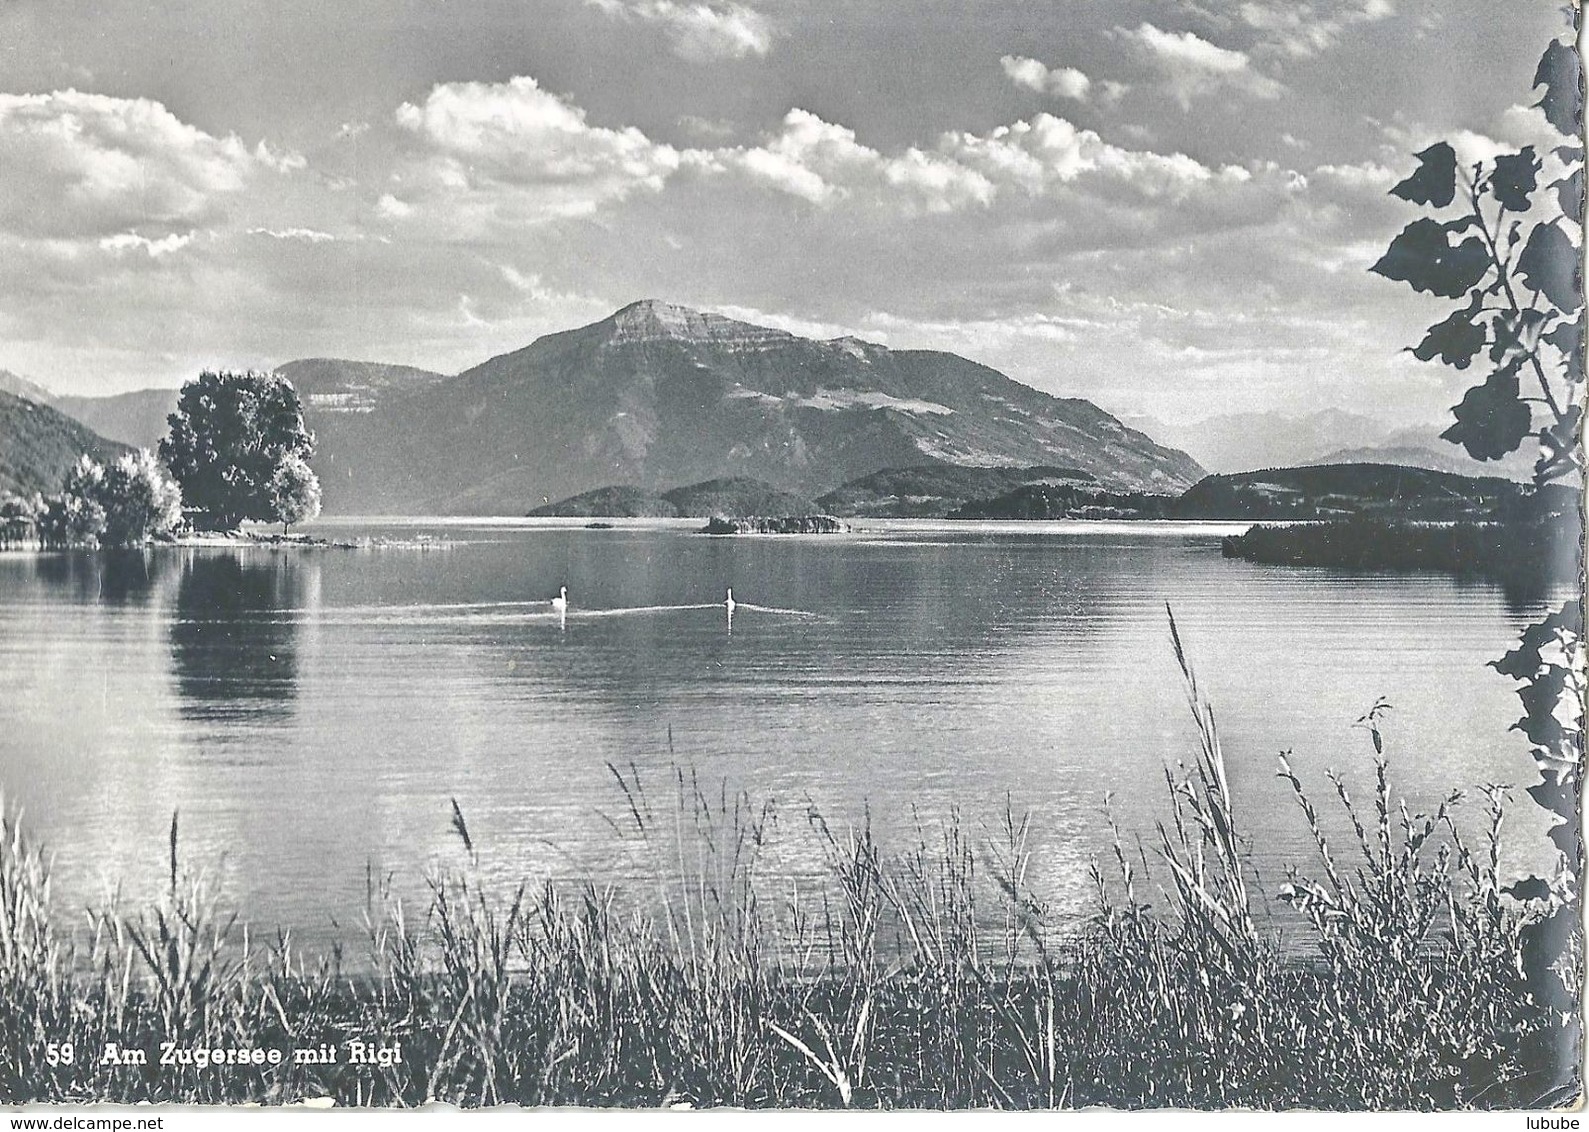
(923, 979)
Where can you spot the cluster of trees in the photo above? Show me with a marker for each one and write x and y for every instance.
(125, 503)
(238, 449)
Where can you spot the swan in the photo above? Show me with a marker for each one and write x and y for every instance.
(730, 603)
(560, 602)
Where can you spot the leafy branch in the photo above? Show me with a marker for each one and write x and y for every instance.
(1514, 243)
(1511, 255)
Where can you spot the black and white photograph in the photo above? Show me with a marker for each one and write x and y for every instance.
(930, 555)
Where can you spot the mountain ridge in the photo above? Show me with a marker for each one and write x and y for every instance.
(39, 443)
(656, 395)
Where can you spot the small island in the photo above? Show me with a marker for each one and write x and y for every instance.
(786, 525)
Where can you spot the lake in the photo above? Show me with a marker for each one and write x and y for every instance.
(312, 713)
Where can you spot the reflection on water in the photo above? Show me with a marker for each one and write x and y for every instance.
(233, 639)
(312, 712)
(113, 577)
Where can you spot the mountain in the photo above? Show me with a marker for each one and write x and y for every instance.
(1342, 490)
(934, 490)
(1423, 448)
(38, 444)
(620, 502)
(1241, 442)
(1247, 441)
(335, 385)
(735, 498)
(19, 386)
(657, 395)
(1066, 501)
(137, 419)
(328, 387)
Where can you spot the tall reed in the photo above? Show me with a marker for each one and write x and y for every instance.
(932, 975)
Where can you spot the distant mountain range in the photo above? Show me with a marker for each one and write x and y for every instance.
(1337, 491)
(655, 396)
(1312, 492)
(736, 496)
(1252, 441)
(136, 419)
(38, 444)
(619, 413)
(329, 387)
(19, 386)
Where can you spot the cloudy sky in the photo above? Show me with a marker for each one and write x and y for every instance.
(1167, 206)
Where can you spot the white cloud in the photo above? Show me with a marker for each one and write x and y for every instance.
(823, 163)
(287, 162)
(700, 31)
(1193, 66)
(1061, 82)
(1305, 29)
(303, 235)
(123, 242)
(390, 208)
(1367, 175)
(1037, 155)
(985, 333)
(482, 138)
(88, 165)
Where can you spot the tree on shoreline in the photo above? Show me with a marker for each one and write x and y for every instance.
(124, 504)
(294, 492)
(231, 436)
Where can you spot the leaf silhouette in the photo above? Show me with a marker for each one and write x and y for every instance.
(1568, 338)
(1554, 795)
(1527, 658)
(1569, 193)
(1435, 181)
(1491, 420)
(1422, 257)
(1529, 888)
(1559, 74)
(1514, 179)
(1455, 339)
(1549, 265)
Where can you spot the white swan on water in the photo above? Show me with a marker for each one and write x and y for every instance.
(730, 604)
(560, 602)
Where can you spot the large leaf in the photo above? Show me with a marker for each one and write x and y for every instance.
(1557, 626)
(1560, 75)
(1549, 264)
(1423, 258)
(1435, 182)
(1514, 178)
(1529, 888)
(1568, 338)
(1556, 796)
(1492, 419)
(1455, 339)
(1569, 193)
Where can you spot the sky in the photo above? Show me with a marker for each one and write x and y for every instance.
(1166, 206)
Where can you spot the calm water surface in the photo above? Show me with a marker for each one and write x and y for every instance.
(312, 712)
